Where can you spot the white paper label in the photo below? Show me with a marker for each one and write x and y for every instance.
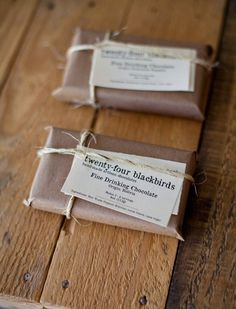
(143, 193)
(137, 67)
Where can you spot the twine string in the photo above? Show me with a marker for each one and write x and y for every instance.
(83, 137)
(67, 210)
(162, 54)
(108, 42)
(82, 151)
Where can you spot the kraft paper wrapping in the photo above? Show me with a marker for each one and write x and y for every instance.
(75, 86)
(53, 169)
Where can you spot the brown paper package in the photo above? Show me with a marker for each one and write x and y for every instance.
(53, 169)
(75, 86)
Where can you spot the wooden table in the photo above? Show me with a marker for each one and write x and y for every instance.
(48, 262)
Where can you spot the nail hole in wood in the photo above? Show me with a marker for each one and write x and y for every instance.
(27, 276)
(143, 300)
(154, 10)
(50, 5)
(6, 238)
(209, 50)
(65, 284)
(91, 4)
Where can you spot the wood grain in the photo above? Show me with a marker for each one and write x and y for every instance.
(185, 21)
(108, 267)
(156, 129)
(28, 237)
(15, 17)
(208, 277)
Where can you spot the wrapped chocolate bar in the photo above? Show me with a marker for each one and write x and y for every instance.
(133, 73)
(118, 182)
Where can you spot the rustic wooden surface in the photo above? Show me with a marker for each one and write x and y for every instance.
(15, 18)
(106, 267)
(209, 276)
(28, 237)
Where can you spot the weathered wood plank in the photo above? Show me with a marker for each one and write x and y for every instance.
(162, 130)
(28, 237)
(15, 17)
(185, 21)
(108, 267)
(100, 263)
(209, 252)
